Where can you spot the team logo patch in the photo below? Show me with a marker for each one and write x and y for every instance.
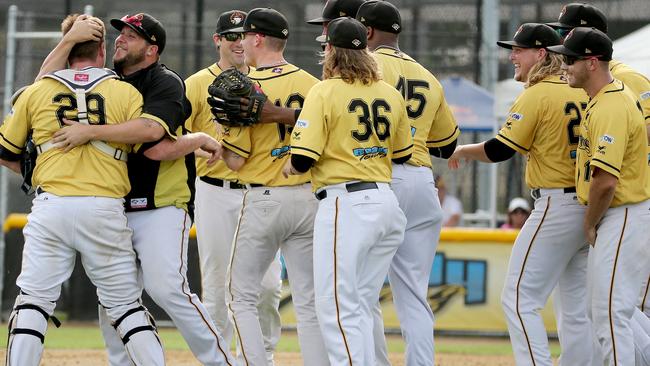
(81, 77)
(277, 70)
(516, 116)
(236, 18)
(607, 138)
(280, 152)
(302, 123)
(395, 26)
(644, 95)
(285, 32)
(296, 135)
(356, 42)
(364, 153)
(138, 202)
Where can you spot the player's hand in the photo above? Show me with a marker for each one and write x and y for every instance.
(72, 135)
(288, 170)
(455, 159)
(212, 147)
(590, 233)
(85, 28)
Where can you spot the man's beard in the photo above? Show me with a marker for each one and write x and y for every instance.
(129, 60)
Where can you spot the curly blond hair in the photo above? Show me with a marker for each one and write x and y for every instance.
(549, 65)
(350, 65)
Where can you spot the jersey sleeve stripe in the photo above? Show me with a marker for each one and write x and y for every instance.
(19, 148)
(512, 142)
(444, 139)
(403, 150)
(160, 122)
(305, 149)
(606, 164)
(243, 152)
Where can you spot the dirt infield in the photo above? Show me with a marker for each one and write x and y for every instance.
(60, 357)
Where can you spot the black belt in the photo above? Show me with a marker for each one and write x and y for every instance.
(220, 182)
(537, 194)
(350, 187)
(254, 185)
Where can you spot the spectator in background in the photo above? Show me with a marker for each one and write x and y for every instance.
(518, 212)
(452, 208)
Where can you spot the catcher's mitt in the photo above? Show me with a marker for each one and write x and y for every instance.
(226, 92)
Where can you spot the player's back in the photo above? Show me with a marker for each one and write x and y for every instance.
(83, 171)
(366, 127)
(543, 124)
(425, 100)
(266, 146)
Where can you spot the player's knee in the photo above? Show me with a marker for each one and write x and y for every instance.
(27, 327)
(137, 330)
(133, 321)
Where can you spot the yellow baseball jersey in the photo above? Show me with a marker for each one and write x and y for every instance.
(266, 146)
(432, 123)
(639, 84)
(543, 124)
(613, 138)
(352, 131)
(202, 120)
(83, 171)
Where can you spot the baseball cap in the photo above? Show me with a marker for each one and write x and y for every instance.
(518, 203)
(337, 8)
(381, 15)
(229, 20)
(347, 33)
(265, 21)
(581, 15)
(146, 26)
(532, 35)
(584, 42)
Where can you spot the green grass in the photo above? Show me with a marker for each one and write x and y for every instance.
(82, 336)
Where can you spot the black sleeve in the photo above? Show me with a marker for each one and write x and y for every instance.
(402, 160)
(6, 154)
(301, 163)
(444, 152)
(165, 99)
(498, 151)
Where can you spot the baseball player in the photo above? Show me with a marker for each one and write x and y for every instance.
(433, 127)
(219, 198)
(159, 205)
(277, 212)
(585, 15)
(551, 249)
(612, 181)
(352, 125)
(74, 209)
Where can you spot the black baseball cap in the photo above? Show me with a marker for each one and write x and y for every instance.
(146, 26)
(533, 35)
(581, 15)
(337, 8)
(347, 33)
(381, 15)
(229, 20)
(265, 21)
(584, 42)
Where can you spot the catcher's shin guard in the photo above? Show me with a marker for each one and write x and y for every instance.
(27, 327)
(137, 330)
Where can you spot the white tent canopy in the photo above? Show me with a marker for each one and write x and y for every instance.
(632, 50)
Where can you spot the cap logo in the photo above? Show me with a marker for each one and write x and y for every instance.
(395, 26)
(153, 38)
(236, 18)
(253, 26)
(135, 20)
(285, 32)
(538, 43)
(362, 19)
(587, 50)
(583, 22)
(342, 13)
(356, 42)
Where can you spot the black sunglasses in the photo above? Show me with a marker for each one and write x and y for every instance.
(570, 60)
(563, 31)
(233, 37)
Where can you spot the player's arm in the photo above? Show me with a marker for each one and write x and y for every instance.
(274, 114)
(443, 133)
(601, 194)
(233, 160)
(12, 165)
(136, 131)
(444, 152)
(14, 132)
(168, 149)
(490, 151)
(85, 28)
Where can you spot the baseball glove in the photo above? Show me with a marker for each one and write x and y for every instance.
(225, 100)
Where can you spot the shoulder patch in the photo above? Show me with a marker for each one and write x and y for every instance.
(302, 123)
(607, 138)
(516, 116)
